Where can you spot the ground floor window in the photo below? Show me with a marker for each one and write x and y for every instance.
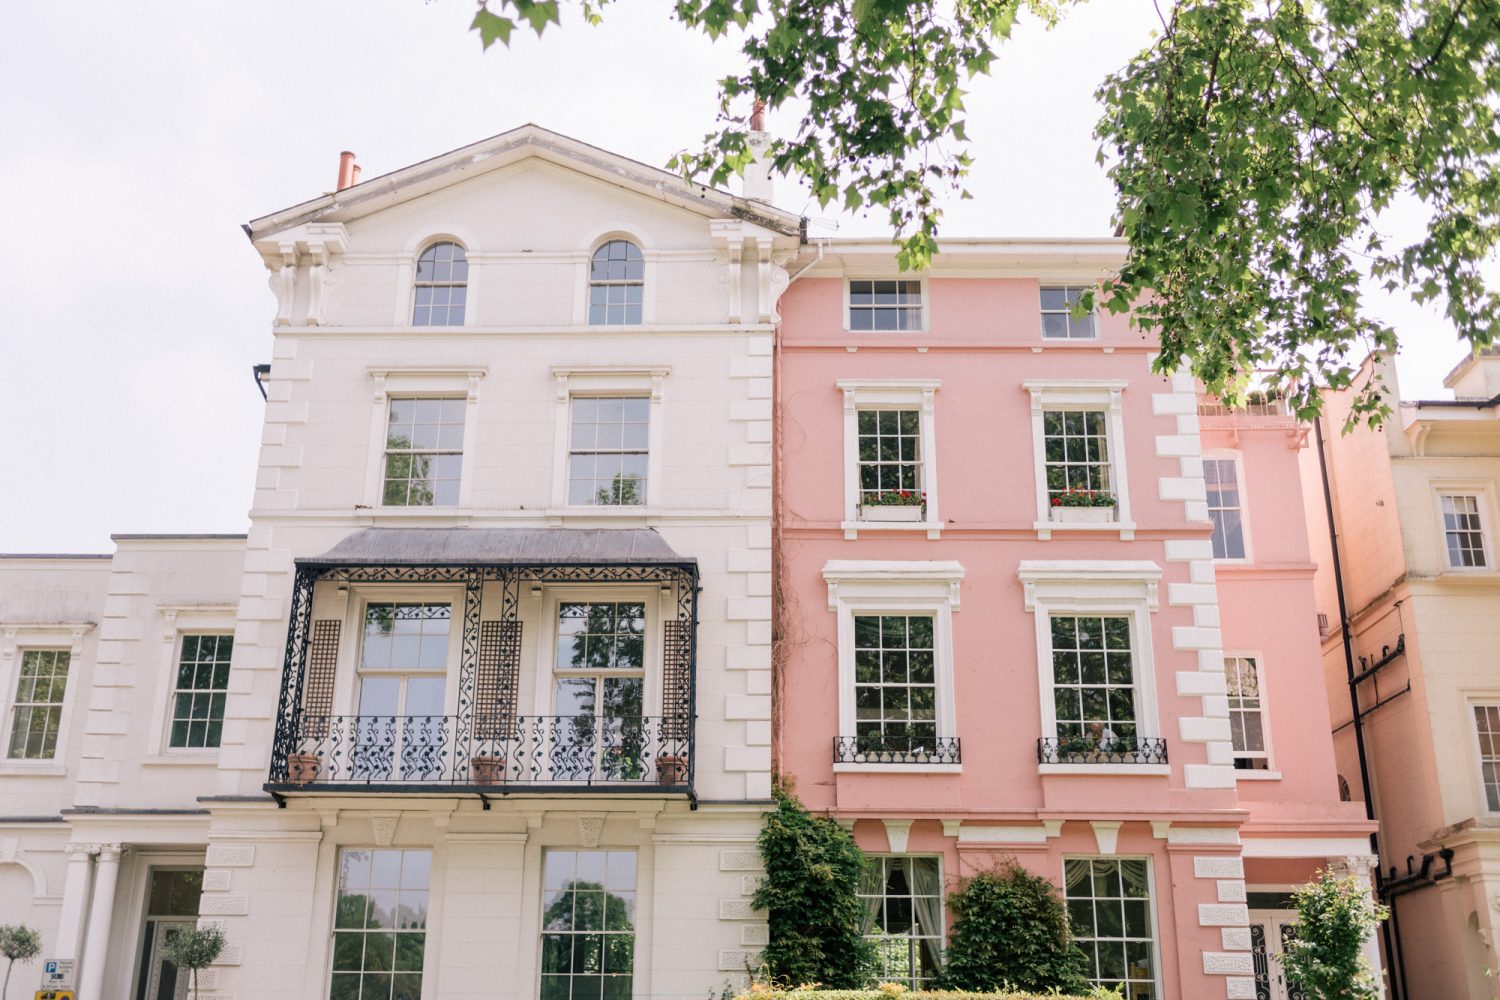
(1109, 906)
(903, 899)
(380, 924)
(588, 925)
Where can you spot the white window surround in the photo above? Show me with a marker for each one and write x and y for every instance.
(915, 587)
(608, 380)
(401, 381)
(1080, 394)
(180, 620)
(1096, 587)
(583, 261)
(1270, 773)
(890, 394)
(1238, 458)
(406, 278)
(1475, 700)
(924, 323)
(1480, 489)
(14, 640)
(351, 638)
(545, 601)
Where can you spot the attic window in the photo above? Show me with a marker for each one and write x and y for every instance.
(441, 287)
(617, 284)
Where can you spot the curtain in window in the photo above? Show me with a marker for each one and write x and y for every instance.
(927, 890)
(872, 888)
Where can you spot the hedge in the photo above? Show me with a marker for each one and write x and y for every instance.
(761, 993)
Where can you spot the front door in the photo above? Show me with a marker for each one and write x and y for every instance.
(1270, 932)
(171, 907)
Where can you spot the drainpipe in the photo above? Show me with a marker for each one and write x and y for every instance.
(1392, 947)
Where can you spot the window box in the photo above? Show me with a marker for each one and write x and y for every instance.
(1082, 515)
(893, 512)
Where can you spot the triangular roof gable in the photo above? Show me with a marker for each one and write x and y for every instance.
(528, 141)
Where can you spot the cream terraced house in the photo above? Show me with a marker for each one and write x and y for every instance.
(481, 705)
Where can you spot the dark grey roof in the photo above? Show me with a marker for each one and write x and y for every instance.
(499, 547)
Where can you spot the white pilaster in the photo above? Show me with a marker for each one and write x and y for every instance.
(96, 944)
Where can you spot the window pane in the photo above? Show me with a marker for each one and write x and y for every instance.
(202, 679)
(379, 944)
(1110, 911)
(903, 895)
(608, 446)
(440, 286)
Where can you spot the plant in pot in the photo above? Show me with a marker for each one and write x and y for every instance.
(1077, 749)
(893, 505)
(1075, 504)
(303, 768)
(487, 769)
(671, 769)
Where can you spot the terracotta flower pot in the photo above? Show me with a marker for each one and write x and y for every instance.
(671, 769)
(487, 770)
(303, 768)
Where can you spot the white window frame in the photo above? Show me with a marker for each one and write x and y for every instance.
(1221, 454)
(924, 319)
(1087, 394)
(406, 278)
(179, 620)
(420, 381)
(346, 683)
(553, 596)
(411, 302)
(1483, 501)
(1270, 773)
(1487, 699)
(646, 381)
(942, 895)
(890, 394)
(15, 640)
(870, 587)
(1082, 285)
(1151, 896)
(1096, 588)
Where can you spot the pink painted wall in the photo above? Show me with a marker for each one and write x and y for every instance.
(983, 342)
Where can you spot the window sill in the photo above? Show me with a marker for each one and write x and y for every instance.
(1045, 529)
(852, 529)
(898, 769)
(1475, 574)
(1242, 775)
(185, 759)
(32, 769)
(419, 513)
(1149, 770)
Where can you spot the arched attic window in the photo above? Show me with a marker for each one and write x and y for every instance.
(442, 285)
(617, 284)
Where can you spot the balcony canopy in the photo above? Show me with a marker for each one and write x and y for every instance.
(500, 547)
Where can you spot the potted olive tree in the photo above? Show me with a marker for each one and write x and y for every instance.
(18, 943)
(193, 949)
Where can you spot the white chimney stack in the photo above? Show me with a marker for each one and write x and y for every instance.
(755, 183)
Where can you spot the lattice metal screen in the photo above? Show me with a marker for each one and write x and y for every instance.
(322, 669)
(496, 679)
(677, 679)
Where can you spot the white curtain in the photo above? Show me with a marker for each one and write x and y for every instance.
(927, 890)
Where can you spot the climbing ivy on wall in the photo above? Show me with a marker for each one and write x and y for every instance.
(810, 893)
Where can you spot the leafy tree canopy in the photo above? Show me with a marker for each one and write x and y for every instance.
(1325, 960)
(1253, 146)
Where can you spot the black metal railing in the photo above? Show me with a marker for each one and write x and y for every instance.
(1101, 750)
(896, 750)
(423, 751)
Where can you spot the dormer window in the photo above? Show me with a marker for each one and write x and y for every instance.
(441, 287)
(617, 284)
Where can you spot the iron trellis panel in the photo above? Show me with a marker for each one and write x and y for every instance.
(497, 679)
(677, 669)
(321, 672)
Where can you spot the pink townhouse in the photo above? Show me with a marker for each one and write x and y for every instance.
(1038, 603)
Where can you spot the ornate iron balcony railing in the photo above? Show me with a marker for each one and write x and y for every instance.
(421, 752)
(896, 750)
(1096, 750)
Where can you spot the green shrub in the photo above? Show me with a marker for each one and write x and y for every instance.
(810, 893)
(891, 991)
(1334, 918)
(1011, 932)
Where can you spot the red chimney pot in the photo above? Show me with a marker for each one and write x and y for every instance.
(758, 116)
(347, 170)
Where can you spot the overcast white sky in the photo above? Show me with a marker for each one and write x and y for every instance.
(136, 138)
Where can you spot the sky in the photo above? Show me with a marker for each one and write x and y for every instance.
(135, 139)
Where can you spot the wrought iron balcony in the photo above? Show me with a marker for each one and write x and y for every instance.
(896, 750)
(1101, 750)
(552, 752)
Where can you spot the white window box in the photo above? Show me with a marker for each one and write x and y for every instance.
(1083, 515)
(892, 513)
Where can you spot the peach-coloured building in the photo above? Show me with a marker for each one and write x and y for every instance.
(1124, 697)
(1414, 507)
